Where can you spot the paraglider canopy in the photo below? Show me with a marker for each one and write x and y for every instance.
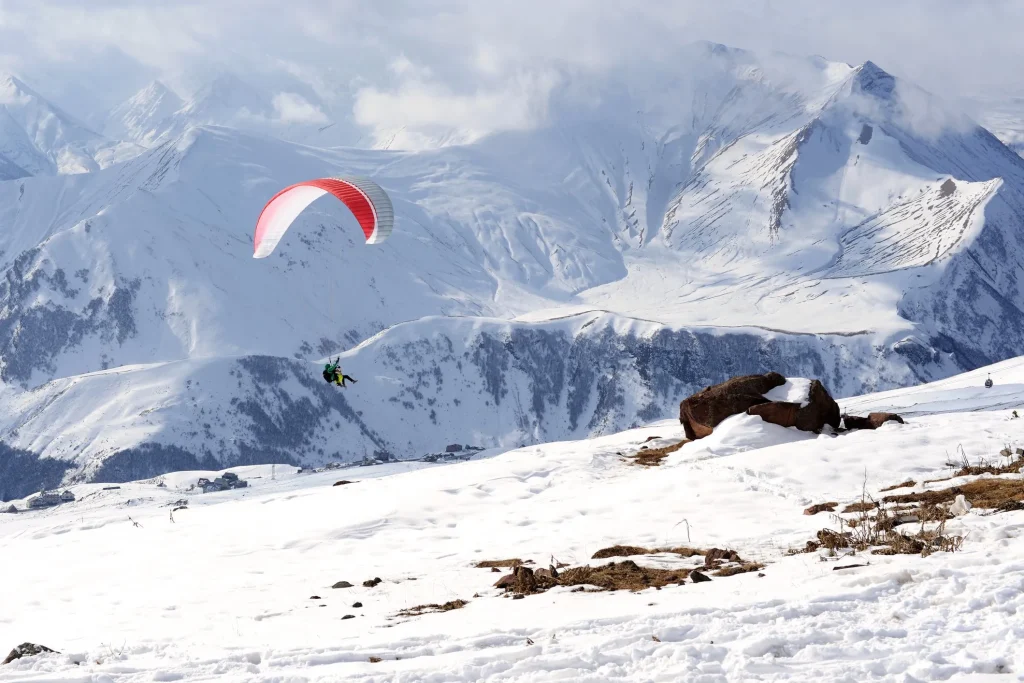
(367, 201)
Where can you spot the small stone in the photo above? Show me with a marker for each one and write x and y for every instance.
(518, 596)
(698, 577)
(342, 584)
(348, 616)
(357, 605)
(315, 597)
(371, 582)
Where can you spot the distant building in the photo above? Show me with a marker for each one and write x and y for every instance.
(11, 509)
(67, 497)
(230, 476)
(44, 500)
(453, 448)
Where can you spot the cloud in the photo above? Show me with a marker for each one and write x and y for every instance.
(490, 63)
(292, 108)
(424, 109)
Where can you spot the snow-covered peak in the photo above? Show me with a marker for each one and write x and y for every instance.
(870, 79)
(42, 139)
(229, 96)
(144, 116)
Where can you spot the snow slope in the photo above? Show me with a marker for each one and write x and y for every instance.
(224, 591)
(813, 218)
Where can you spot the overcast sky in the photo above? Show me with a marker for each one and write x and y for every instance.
(478, 49)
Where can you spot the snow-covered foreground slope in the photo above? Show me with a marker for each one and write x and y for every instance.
(816, 219)
(224, 590)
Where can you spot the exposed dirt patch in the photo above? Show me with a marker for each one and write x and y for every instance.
(903, 485)
(433, 608)
(863, 506)
(652, 457)
(821, 507)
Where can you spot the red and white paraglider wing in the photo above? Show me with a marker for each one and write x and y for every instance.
(367, 201)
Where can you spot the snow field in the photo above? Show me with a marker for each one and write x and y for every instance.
(224, 592)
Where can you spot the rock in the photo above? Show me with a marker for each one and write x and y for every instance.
(544, 574)
(505, 581)
(27, 650)
(702, 412)
(777, 412)
(525, 581)
(821, 507)
(856, 422)
(348, 616)
(356, 605)
(961, 506)
(342, 482)
(698, 577)
(495, 570)
(872, 421)
(518, 596)
(878, 419)
(715, 556)
(342, 584)
(820, 410)
(315, 597)
(370, 583)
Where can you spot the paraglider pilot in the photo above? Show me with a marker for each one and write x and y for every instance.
(333, 373)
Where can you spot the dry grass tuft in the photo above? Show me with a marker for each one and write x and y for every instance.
(739, 569)
(991, 493)
(863, 506)
(511, 564)
(652, 457)
(903, 485)
(625, 575)
(621, 551)
(433, 608)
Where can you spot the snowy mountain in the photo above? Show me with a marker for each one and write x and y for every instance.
(144, 117)
(808, 217)
(243, 584)
(155, 114)
(38, 138)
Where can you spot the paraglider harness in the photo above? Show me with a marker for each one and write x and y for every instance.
(332, 373)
